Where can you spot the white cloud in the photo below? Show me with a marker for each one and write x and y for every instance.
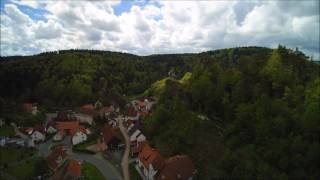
(159, 27)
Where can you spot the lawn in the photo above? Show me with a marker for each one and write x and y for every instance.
(90, 172)
(28, 169)
(7, 130)
(11, 154)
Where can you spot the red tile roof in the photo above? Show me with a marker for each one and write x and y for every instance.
(107, 133)
(70, 126)
(28, 106)
(148, 155)
(54, 155)
(177, 167)
(131, 111)
(74, 168)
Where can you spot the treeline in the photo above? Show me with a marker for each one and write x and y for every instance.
(74, 77)
(246, 113)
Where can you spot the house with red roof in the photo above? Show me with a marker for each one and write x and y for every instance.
(108, 138)
(56, 158)
(86, 114)
(73, 170)
(30, 107)
(73, 129)
(149, 162)
(177, 167)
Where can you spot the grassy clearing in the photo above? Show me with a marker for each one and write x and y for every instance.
(90, 172)
(7, 130)
(10, 154)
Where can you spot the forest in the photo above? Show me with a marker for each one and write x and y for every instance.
(239, 113)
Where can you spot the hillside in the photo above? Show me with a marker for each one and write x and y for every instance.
(243, 116)
(240, 113)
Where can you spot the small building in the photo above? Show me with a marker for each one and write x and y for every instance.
(67, 115)
(56, 158)
(177, 167)
(108, 138)
(149, 162)
(37, 136)
(79, 137)
(51, 130)
(84, 118)
(73, 171)
(105, 112)
(30, 108)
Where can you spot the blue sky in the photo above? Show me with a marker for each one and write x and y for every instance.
(150, 27)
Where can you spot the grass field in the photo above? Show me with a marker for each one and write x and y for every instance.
(7, 130)
(10, 154)
(90, 172)
(24, 170)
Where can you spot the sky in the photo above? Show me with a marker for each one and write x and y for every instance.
(145, 27)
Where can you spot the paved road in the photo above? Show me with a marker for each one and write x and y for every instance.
(125, 158)
(103, 165)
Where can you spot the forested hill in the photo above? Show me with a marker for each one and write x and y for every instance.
(72, 77)
(243, 115)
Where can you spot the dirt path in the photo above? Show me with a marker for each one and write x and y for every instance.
(125, 158)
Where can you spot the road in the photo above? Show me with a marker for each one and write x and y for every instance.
(108, 171)
(125, 158)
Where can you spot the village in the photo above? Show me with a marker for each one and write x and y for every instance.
(111, 138)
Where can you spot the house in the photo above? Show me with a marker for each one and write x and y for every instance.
(73, 170)
(51, 116)
(79, 137)
(84, 118)
(131, 112)
(98, 105)
(87, 109)
(59, 136)
(73, 129)
(37, 136)
(51, 130)
(56, 158)
(69, 127)
(105, 112)
(177, 167)
(136, 137)
(149, 162)
(26, 130)
(67, 115)
(109, 137)
(30, 108)
(112, 123)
